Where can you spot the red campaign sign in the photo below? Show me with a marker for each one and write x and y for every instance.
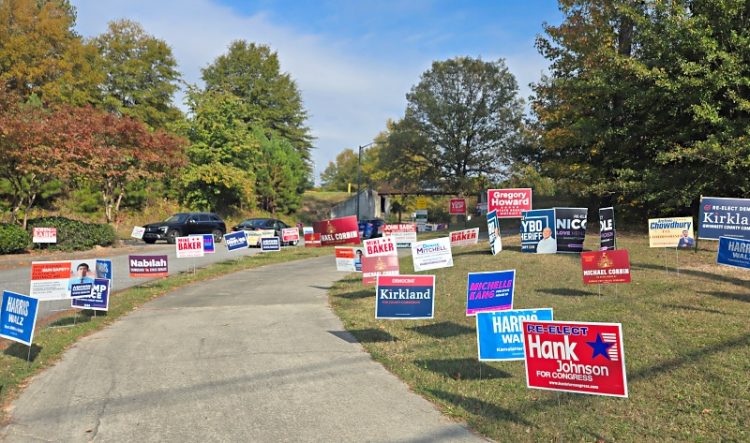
(587, 358)
(312, 240)
(380, 246)
(289, 234)
(338, 231)
(399, 228)
(458, 206)
(605, 266)
(44, 235)
(509, 203)
(372, 267)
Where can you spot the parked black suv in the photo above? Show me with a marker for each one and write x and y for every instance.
(186, 223)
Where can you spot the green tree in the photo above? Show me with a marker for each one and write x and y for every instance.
(141, 74)
(339, 174)
(253, 73)
(469, 112)
(280, 175)
(41, 55)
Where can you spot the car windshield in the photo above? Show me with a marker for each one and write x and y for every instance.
(177, 218)
(255, 224)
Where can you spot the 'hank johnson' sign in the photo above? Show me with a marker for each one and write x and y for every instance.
(509, 203)
(499, 336)
(18, 317)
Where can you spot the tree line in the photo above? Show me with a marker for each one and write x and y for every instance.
(96, 116)
(646, 106)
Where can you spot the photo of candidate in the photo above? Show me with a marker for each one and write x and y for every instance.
(83, 274)
(358, 260)
(686, 242)
(547, 245)
(497, 243)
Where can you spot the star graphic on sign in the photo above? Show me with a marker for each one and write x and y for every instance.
(599, 347)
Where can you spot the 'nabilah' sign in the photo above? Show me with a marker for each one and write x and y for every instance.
(405, 297)
(587, 358)
(148, 265)
(499, 336)
(605, 266)
(724, 217)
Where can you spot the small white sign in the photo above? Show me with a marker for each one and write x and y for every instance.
(44, 235)
(381, 246)
(189, 247)
(138, 232)
(432, 254)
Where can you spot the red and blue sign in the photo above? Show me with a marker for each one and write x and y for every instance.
(586, 358)
(99, 298)
(18, 317)
(490, 291)
(499, 336)
(405, 297)
(734, 252)
(236, 240)
(724, 217)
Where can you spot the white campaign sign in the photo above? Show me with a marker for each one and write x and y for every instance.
(189, 247)
(380, 247)
(138, 232)
(432, 254)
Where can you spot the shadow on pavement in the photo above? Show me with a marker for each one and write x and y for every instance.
(364, 336)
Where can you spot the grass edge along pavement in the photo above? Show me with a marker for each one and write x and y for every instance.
(50, 343)
(686, 341)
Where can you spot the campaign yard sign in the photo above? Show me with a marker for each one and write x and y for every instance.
(289, 235)
(602, 267)
(380, 246)
(348, 259)
(208, 243)
(148, 266)
(674, 232)
(269, 244)
(44, 235)
(509, 203)
(189, 247)
(465, 237)
(236, 241)
(372, 267)
(499, 336)
(724, 217)
(98, 300)
(254, 236)
(490, 291)
(538, 231)
(60, 280)
(570, 229)
(493, 232)
(405, 297)
(138, 232)
(338, 231)
(432, 254)
(18, 317)
(734, 252)
(607, 238)
(312, 240)
(586, 358)
(457, 206)
(404, 233)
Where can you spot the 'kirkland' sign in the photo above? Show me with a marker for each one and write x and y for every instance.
(724, 217)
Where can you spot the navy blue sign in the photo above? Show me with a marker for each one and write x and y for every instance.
(538, 226)
(570, 229)
(236, 240)
(405, 297)
(270, 244)
(499, 335)
(18, 317)
(724, 217)
(490, 291)
(81, 289)
(607, 240)
(734, 252)
(99, 298)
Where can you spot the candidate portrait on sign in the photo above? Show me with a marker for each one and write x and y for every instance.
(82, 275)
(547, 245)
(685, 242)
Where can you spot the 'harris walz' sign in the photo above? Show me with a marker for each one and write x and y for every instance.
(724, 217)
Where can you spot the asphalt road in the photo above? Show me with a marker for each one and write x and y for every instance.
(16, 277)
(252, 356)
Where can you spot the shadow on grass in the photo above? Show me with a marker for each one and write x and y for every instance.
(513, 248)
(463, 369)
(695, 273)
(21, 351)
(354, 295)
(692, 308)
(325, 288)
(70, 321)
(364, 336)
(474, 252)
(728, 295)
(351, 280)
(566, 292)
(479, 407)
(443, 330)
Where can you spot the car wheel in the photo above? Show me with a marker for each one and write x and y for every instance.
(150, 241)
(217, 235)
(172, 234)
(293, 243)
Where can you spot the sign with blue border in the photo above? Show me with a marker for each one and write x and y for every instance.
(490, 291)
(18, 317)
(208, 243)
(409, 297)
(270, 244)
(99, 298)
(499, 335)
(535, 225)
(236, 240)
(724, 217)
(734, 252)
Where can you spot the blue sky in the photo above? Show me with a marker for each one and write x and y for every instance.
(353, 61)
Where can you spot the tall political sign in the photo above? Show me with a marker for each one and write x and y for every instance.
(570, 229)
(538, 231)
(18, 317)
(493, 230)
(607, 237)
(509, 203)
(724, 217)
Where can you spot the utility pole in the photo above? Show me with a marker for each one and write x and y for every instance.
(359, 172)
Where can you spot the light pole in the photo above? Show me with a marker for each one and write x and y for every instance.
(359, 172)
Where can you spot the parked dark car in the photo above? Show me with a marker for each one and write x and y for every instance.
(371, 228)
(253, 224)
(186, 223)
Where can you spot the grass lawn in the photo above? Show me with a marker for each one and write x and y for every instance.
(50, 343)
(686, 341)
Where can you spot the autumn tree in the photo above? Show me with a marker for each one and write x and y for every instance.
(342, 172)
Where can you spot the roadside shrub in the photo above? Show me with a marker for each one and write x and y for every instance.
(13, 239)
(73, 235)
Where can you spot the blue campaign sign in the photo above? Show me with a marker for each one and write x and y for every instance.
(18, 317)
(724, 217)
(734, 252)
(538, 227)
(270, 244)
(410, 297)
(490, 291)
(104, 269)
(499, 335)
(99, 298)
(81, 289)
(236, 240)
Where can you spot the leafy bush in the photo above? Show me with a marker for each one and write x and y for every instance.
(13, 239)
(73, 235)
